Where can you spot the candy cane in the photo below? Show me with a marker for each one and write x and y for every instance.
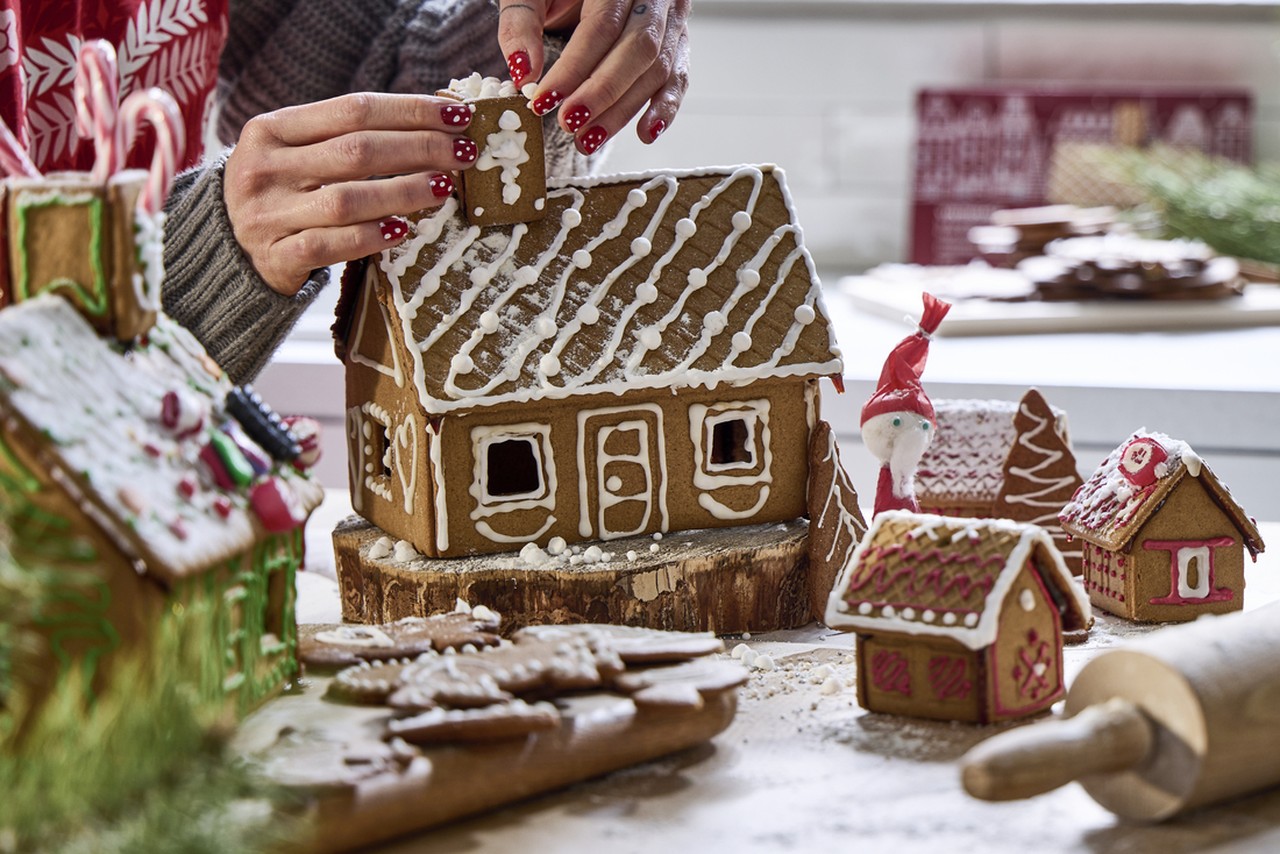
(158, 108)
(97, 96)
(13, 159)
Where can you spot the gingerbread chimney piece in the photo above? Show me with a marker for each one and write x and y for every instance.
(508, 182)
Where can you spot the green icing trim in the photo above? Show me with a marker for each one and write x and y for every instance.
(94, 303)
(75, 608)
(238, 467)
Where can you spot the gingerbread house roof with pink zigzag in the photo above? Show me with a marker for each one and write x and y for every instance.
(1134, 482)
(921, 574)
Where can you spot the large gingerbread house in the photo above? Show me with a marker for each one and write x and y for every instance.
(957, 619)
(134, 477)
(644, 358)
(1163, 538)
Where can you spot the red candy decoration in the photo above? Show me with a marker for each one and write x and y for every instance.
(187, 486)
(1140, 459)
(222, 506)
(276, 505)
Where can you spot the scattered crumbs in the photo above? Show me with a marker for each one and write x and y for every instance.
(381, 548)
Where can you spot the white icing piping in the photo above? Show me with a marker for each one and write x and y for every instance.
(149, 238)
(355, 457)
(361, 359)
(490, 505)
(658, 485)
(1047, 460)
(701, 421)
(434, 444)
(607, 497)
(485, 530)
(478, 285)
(406, 436)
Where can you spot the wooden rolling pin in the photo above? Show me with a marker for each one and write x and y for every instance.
(1185, 717)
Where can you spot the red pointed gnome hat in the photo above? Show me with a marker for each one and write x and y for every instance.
(899, 389)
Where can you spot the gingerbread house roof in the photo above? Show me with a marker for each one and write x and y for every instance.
(921, 574)
(640, 281)
(965, 461)
(1134, 481)
(93, 416)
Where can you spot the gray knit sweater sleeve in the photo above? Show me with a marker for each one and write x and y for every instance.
(283, 52)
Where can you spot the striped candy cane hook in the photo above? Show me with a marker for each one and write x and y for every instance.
(158, 108)
(97, 97)
(14, 161)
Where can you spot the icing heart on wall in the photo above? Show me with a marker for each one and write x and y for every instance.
(407, 437)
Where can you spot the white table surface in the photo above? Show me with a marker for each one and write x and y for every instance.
(803, 771)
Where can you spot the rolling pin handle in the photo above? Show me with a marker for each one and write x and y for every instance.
(1110, 737)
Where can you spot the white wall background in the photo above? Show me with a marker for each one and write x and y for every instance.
(826, 89)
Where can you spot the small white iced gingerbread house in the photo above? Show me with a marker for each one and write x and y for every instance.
(1164, 540)
(957, 619)
(644, 358)
(145, 479)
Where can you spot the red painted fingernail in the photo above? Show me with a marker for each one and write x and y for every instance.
(520, 66)
(456, 115)
(576, 118)
(393, 228)
(593, 139)
(441, 186)
(656, 128)
(544, 104)
(465, 150)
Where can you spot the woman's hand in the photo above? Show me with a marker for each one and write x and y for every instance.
(322, 183)
(622, 55)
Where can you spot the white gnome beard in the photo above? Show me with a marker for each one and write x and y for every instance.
(899, 445)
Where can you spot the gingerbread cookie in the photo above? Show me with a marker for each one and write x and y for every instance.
(493, 723)
(681, 685)
(633, 645)
(327, 645)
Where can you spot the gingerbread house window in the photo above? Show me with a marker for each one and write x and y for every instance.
(511, 464)
(730, 438)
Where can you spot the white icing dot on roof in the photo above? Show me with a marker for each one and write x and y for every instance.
(647, 293)
(697, 278)
(888, 611)
(864, 608)
(582, 259)
(908, 613)
(637, 197)
(949, 619)
(650, 337)
(714, 322)
(686, 227)
(742, 221)
(549, 365)
(971, 620)
(525, 275)
(804, 314)
(741, 341)
(545, 327)
(462, 364)
(588, 314)
(640, 247)
(749, 278)
(481, 276)
(489, 321)
(928, 616)
(571, 217)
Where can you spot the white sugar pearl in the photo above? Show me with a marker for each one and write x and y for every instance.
(650, 337)
(589, 314)
(539, 204)
(714, 322)
(888, 611)
(582, 259)
(697, 278)
(805, 314)
(549, 365)
(647, 293)
(640, 247)
(741, 341)
(463, 364)
(489, 321)
(742, 220)
(686, 228)
(481, 276)
(637, 197)
(545, 326)
(749, 278)
(971, 620)
(525, 276)
(864, 608)
(572, 218)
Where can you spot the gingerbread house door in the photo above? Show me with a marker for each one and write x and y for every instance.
(623, 478)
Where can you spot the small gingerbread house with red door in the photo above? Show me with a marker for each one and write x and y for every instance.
(1163, 539)
(643, 358)
(957, 619)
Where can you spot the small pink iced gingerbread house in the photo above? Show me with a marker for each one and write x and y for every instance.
(1163, 538)
(957, 619)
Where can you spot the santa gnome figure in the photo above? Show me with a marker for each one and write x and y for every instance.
(898, 421)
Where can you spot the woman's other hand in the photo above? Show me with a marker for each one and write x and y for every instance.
(318, 184)
(622, 55)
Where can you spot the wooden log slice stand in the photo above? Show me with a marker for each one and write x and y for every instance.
(754, 578)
